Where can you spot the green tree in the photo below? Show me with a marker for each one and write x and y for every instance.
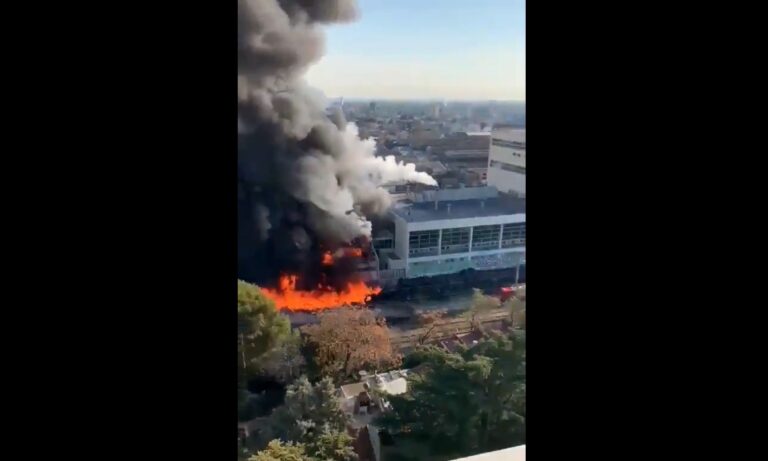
(307, 411)
(464, 403)
(284, 362)
(279, 451)
(481, 304)
(332, 445)
(260, 326)
(516, 307)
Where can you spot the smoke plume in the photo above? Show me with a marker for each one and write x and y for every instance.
(306, 181)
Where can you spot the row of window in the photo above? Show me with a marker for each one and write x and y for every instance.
(510, 144)
(456, 240)
(507, 166)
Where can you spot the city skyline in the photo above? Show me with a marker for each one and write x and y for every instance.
(400, 50)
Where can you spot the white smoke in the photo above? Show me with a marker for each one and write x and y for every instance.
(351, 180)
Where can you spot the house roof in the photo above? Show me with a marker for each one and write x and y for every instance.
(392, 382)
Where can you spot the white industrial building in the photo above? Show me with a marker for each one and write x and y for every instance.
(506, 160)
(447, 231)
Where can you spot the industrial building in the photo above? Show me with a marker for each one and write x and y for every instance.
(446, 231)
(506, 161)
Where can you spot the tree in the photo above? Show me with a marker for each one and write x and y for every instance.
(429, 320)
(481, 304)
(278, 451)
(462, 404)
(283, 362)
(332, 445)
(516, 307)
(260, 326)
(307, 411)
(349, 340)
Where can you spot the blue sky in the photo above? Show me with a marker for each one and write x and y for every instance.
(453, 49)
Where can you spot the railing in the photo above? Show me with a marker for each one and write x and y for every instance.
(485, 245)
(417, 252)
(511, 243)
(452, 249)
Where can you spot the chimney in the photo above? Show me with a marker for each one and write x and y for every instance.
(448, 208)
(482, 204)
(436, 203)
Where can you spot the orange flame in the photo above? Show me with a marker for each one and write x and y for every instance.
(327, 259)
(356, 252)
(287, 297)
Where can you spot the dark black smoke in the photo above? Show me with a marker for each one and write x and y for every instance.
(306, 180)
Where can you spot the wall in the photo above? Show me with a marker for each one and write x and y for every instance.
(504, 180)
(495, 258)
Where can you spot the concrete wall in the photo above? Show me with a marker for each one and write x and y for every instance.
(506, 181)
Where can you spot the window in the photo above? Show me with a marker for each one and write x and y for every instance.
(485, 237)
(507, 166)
(455, 240)
(509, 144)
(513, 235)
(423, 243)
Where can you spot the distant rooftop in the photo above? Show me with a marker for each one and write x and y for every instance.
(472, 208)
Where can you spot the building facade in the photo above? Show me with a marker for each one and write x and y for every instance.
(506, 161)
(447, 231)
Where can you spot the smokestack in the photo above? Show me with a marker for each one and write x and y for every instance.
(436, 204)
(482, 204)
(299, 169)
(448, 208)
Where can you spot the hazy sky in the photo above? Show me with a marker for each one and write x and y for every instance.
(453, 49)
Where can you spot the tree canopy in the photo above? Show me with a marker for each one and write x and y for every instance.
(464, 403)
(312, 416)
(349, 340)
(516, 307)
(332, 445)
(307, 410)
(481, 303)
(279, 451)
(260, 325)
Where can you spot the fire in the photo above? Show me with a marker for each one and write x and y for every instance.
(356, 252)
(346, 252)
(287, 297)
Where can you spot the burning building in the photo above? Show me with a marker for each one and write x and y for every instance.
(307, 183)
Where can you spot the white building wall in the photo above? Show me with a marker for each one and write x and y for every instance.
(508, 182)
(455, 262)
(401, 237)
(503, 179)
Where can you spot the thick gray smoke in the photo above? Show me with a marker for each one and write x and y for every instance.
(305, 179)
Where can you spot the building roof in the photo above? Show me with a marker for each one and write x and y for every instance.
(472, 208)
(392, 382)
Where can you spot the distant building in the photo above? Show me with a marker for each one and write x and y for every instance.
(363, 405)
(447, 231)
(464, 151)
(506, 162)
(436, 110)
